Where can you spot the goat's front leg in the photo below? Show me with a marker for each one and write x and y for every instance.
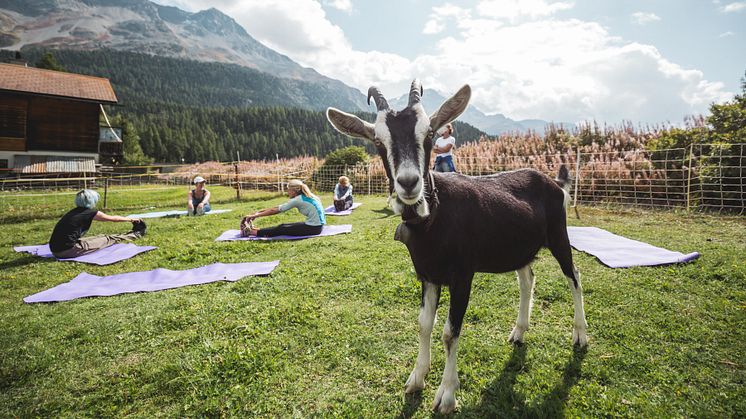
(526, 282)
(445, 398)
(428, 307)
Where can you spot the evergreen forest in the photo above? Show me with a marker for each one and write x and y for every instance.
(190, 111)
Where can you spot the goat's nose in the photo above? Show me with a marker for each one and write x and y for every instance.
(407, 182)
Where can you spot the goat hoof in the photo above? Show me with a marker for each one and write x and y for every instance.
(516, 336)
(415, 383)
(579, 338)
(445, 400)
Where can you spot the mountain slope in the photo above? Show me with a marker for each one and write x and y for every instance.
(491, 124)
(145, 27)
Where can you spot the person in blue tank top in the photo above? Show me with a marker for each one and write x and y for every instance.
(301, 198)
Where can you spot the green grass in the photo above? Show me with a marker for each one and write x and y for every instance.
(333, 330)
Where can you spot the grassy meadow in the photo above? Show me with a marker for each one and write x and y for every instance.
(333, 330)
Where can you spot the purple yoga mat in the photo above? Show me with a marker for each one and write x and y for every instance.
(105, 256)
(327, 231)
(331, 211)
(87, 285)
(620, 252)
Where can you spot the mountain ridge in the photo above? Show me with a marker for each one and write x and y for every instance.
(146, 27)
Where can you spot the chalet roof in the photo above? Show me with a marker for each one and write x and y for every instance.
(18, 78)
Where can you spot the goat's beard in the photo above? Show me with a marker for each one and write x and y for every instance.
(419, 209)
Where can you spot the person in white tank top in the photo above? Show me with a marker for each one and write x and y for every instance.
(444, 151)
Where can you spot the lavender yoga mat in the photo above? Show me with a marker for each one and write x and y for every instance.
(331, 211)
(172, 213)
(620, 252)
(327, 231)
(105, 256)
(87, 285)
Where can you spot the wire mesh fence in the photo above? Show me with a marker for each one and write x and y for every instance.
(707, 177)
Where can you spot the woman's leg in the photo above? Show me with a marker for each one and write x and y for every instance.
(339, 205)
(347, 203)
(441, 165)
(294, 229)
(86, 245)
(449, 163)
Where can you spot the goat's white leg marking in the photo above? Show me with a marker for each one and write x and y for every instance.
(579, 336)
(526, 282)
(426, 319)
(445, 398)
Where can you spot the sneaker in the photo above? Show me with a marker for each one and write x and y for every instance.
(140, 228)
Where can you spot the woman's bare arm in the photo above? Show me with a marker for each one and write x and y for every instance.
(100, 216)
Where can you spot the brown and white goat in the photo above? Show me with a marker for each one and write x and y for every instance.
(455, 225)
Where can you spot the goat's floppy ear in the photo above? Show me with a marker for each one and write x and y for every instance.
(451, 108)
(350, 125)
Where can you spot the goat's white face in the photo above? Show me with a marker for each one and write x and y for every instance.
(403, 139)
(405, 142)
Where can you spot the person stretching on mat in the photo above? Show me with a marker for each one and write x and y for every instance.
(199, 198)
(67, 239)
(343, 194)
(307, 204)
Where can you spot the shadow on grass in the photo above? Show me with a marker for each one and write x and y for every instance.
(500, 399)
(412, 402)
(22, 261)
(385, 211)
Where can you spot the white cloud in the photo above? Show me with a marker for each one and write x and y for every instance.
(726, 34)
(734, 7)
(643, 18)
(443, 16)
(343, 5)
(522, 61)
(514, 9)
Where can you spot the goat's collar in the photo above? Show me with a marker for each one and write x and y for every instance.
(411, 216)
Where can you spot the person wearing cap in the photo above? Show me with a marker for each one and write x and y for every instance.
(67, 239)
(301, 198)
(198, 202)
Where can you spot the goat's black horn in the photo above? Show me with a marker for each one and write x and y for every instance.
(381, 103)
(415, 93)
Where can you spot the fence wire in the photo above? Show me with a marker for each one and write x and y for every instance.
(703, 177)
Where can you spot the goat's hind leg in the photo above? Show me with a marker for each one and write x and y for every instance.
(428, 307)
(560, 248)
(526, 282)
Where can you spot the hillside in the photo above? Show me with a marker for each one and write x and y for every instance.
(191, 111)
(145, 27)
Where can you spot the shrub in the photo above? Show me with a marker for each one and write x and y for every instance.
(349, 156)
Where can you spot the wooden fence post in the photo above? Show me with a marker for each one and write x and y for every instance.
(238, 184)
(106, 188)
(689, 177)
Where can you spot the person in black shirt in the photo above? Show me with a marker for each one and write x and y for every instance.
(67, 239)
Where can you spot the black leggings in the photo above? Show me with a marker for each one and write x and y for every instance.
(293, 229)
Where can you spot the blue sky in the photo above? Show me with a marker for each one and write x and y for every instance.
(645, 61)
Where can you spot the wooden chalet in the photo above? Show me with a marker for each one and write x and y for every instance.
(49, 120)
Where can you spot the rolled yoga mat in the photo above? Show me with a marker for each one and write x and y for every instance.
(328, 230)
(620, 252)
(87, 285)
(331, 211)
(106, 256)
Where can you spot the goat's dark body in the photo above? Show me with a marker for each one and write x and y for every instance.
(493, 224)
(477, 224)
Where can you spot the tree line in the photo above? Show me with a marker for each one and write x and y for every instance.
(180, 110)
